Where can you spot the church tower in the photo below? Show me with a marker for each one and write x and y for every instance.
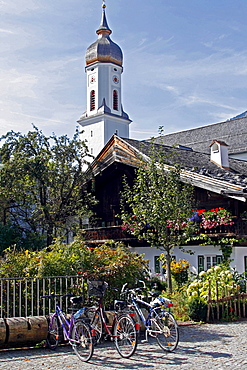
(104, 114)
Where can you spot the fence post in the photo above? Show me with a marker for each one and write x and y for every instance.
(209, 299)
(238, 298)
(217, 300)
(243, 303)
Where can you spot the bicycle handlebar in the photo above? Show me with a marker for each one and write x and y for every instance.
(133, 290)
(53, 295)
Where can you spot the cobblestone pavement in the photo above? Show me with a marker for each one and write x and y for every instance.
(207, 346)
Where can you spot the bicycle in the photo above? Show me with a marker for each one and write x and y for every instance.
(74, 330)
(159, 322)
(122, 331)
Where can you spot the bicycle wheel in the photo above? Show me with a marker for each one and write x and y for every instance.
(165, 329)
(53, 336)
(96, 324)
(83, 347)
(125, 336)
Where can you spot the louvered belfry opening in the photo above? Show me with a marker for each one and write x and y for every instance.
(115, 100)
(92, 100)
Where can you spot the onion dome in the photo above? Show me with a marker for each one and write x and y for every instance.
(104, 49)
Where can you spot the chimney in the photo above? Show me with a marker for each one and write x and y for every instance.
(219, 154)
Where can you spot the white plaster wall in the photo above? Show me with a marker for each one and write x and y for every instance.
(238, 255)
(102, 131)
(104, 86)
(95, 142)
(92, 72)
(115, 126)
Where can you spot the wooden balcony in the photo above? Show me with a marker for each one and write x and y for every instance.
(238, 229)
(102, 234)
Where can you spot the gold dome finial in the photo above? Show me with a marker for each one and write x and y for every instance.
(103, 4)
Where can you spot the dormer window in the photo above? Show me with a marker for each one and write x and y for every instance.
(92, 100)
(115, 100)
(219, 154)
(215, 148)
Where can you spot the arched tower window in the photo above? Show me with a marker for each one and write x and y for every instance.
(92, 100)
(115, 100)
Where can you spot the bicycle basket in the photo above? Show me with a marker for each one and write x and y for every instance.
(97, 288)
(120, 305)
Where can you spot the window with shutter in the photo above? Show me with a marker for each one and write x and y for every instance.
(157, 265)
(245, 263)
(200, 264)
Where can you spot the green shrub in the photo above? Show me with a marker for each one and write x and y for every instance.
(155, 284)
(197, 309)
(179, 300)
(219, 274)
(111, 262)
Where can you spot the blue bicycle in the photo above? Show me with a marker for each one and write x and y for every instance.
(158, 321)
(74, 330)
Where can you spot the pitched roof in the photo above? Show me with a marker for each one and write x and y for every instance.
(196, 167)
(232, 132)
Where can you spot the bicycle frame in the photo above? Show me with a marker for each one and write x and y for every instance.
(122, 330)
(135, 301)
(108, 328)
(77, 332)
(65, 323)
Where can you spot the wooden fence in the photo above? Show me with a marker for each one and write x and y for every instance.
(228, 307)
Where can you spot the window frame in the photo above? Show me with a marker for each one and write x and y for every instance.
(205, 262)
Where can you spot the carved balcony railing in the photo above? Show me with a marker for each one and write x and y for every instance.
(238, 229)
(101, 234)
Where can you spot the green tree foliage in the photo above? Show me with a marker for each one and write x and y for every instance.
(10, 235)
(43, 184)
(157, 207)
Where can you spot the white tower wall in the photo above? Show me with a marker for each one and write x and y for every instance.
(104, 115)
(104, 78)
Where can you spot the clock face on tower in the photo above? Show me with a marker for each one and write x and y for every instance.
(92, 79)
(115, 79)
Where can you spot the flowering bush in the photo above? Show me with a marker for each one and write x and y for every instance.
(216, 217)
(128, 227)
(111, 261)
(180, 271)
(212, 218)
(131, 224)
(199, 288)
(175, 225)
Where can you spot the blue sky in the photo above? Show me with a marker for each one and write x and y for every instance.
(185, 62)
